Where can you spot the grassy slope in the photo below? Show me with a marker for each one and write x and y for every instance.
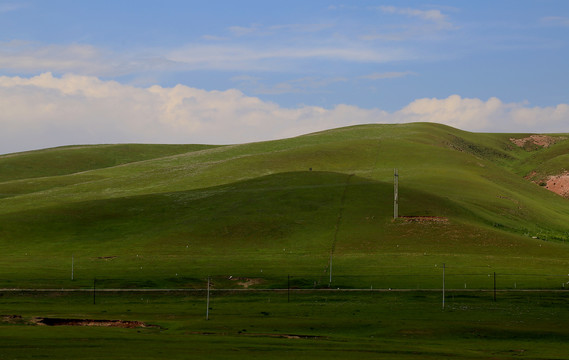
(172, 215)
(73, 159)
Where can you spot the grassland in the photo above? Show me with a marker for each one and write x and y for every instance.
(169, 216)
(311, 325)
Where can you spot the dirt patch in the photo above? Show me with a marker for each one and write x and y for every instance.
(246, 282)
(537, 140)
(106, 257)
(12, 319)
(531, 175)
(559, 184)
(91, 322)
(424, 219)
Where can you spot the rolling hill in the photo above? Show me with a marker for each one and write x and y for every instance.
(169, 215)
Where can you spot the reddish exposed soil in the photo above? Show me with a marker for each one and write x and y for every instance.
(559, 184)
(539, 140)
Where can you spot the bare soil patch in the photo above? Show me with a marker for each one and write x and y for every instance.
(12, 319)
(538, 140)
(91, 322)
(246, 282)
(559, 184)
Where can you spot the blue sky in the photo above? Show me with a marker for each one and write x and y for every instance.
(233, 71)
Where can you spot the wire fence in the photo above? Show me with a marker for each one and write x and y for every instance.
(416, 281)
(452, 289)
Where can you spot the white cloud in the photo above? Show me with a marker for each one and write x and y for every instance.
(30, 57)
(44, 111)
(488, 116)
(434, 16)
(470, 114)
(22, 57)
(421, 27)
(270, 57)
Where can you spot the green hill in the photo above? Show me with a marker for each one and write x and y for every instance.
(169, 215)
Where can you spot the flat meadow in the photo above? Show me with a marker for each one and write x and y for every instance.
(339, 325)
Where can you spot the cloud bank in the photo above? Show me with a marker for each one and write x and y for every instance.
(45, 111)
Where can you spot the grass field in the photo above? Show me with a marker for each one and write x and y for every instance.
(312, 325)
(315, 207)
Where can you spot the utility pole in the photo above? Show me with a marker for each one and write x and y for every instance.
(395, 194)
(443, 286)
(330, 284)
(207, 308)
